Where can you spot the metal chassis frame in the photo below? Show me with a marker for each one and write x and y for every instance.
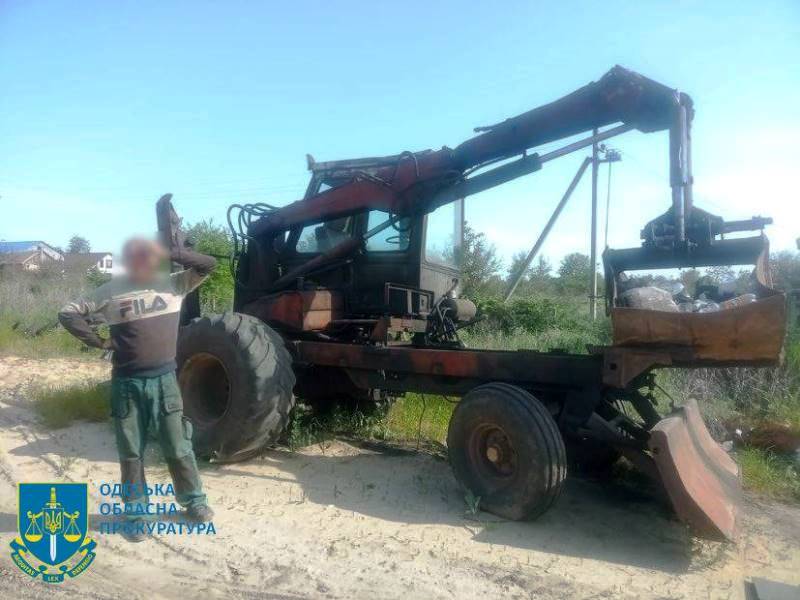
(606, 366)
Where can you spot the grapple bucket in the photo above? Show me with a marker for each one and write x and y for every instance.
(701, 480)
(751, 334)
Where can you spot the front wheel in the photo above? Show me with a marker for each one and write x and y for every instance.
(506, 449)
(236, 380)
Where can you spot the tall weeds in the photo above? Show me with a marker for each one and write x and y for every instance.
(29, 304)
(743, 397)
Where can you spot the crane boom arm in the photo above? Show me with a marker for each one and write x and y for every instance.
(417, 182)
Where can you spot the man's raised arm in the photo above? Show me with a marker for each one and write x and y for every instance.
(198, 267)
(74, 317)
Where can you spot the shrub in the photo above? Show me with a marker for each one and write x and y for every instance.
(537, 323)
(61, 407)
(216, 293)
(769, 474)
(743, 396)
(29, 305)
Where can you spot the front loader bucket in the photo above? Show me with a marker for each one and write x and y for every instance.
(702, 481)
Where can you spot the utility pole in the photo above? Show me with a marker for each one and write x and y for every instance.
(612, 156)
(609, 156)
(593, 249)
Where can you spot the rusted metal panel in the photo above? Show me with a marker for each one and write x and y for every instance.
(307, 310)
(326, 205)
(387, 327)
(750, 333)
(523, 367)
(702, 481)
(623, 365)
(620, 95)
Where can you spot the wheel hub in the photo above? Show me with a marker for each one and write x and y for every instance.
(497, 452)
(205, 387)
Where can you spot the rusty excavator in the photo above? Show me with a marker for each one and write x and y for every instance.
(352, 293)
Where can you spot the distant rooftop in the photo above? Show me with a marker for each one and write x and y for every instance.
(24, 246)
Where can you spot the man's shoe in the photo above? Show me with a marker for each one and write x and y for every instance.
(133, 533)
(199, 514)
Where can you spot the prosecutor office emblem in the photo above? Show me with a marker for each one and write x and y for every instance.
(53, 527)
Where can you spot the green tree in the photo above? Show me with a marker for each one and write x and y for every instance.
(541, 273)
(516, 266)
(537, 277)
(216, 293)
(78, 245)
(573, 273)
(477, 258)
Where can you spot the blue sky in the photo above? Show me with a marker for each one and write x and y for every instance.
(104, 106)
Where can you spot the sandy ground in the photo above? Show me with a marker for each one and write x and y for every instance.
(342, 522)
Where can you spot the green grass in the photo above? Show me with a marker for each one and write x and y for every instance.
(29, 305)
(420, 416)
(537, 323)
(770, 474)
(546, 340)
(61, 407)
(414, 418)
(16, 340)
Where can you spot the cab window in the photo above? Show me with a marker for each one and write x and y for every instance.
(321, 237)
(443, 234)
(391, 239)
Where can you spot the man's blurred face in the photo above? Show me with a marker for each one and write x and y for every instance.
(142, 258)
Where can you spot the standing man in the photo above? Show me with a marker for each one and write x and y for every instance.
(143, 310)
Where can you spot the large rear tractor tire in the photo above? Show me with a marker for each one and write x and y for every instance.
(506, 449)
(236, 380)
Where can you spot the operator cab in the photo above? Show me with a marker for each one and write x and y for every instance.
(417, 254)
(400, 272)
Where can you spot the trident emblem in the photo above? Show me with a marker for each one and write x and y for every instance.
(51, 521)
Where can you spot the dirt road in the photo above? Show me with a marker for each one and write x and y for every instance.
(342, 522)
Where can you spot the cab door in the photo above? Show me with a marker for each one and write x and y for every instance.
(441, 249)
(390, 256)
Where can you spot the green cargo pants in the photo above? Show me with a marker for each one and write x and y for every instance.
(139, 406)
